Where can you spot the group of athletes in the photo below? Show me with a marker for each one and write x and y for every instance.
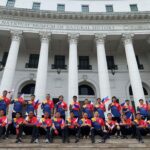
(85, 121)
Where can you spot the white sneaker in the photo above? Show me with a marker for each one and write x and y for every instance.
(46, 141)
(36, 141)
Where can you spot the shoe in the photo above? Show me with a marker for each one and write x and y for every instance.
(36, 141)
(101, 141)
(77, 140)
(46, 141)
(32, 140)
(17, 141)
(141, 141)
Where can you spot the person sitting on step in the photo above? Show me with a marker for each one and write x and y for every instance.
(85, 126)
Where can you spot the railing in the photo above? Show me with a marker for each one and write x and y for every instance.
(86, 67)
(54, 66)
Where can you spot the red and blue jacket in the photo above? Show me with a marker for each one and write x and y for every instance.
(85, 122)
(3, 121)
(143, 109)
(75, 108)
(4, 102)
(88, 108)
(61, 106)
(18, 104)
(115, 109)
(46, 122)
(72, 122)
(100, 108)
(58, 123)
(18, 121)
(47, 106)
(128, 110)
(97, 123)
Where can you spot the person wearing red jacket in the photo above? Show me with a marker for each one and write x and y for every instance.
(31, 126)
(125, 126)
(48, 105)
(112, 126)
(46, 124)
(98, 128)
(3, 123)
(85, 126)
(140, 127)
(18, 122)
(4, 102)
(72, 127)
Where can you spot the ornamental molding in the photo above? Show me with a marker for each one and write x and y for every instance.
(16, 35)
(61, 16)
(45, 36)
(127, 38)
(100, 38)
(73, 37)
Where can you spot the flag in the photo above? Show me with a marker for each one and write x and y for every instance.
(37, 103)
(21, 97)
(105, 99)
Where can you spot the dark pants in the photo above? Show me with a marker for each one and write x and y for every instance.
(73, 131)
(19, 131)
(2, 131)
(113, 131)
(32, 130)
(98, 132)
(138, 132)
(125, 130)
(84, 130)
(118, 119)
(45, 131)
(10, 130)
(61, 132)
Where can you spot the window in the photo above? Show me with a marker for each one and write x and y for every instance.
(109, 8)
(4, 59)
(59, 62)
(10, 3)
(84, 63)
(111, 62)
(61, 7)
(140, 66)
(33, 61)
(133, 7)
(85, 8)
(36, 6)
(85, 90)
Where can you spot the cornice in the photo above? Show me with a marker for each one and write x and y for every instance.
(28, 14)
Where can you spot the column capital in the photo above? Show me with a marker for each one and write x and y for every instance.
(16, 34)
(100, 38)
(45, 36)
(73, 37)
(127, 38)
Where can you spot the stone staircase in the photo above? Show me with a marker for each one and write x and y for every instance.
(111, 144)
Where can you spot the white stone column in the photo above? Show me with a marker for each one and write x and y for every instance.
(134, 74)
(104, 84)
(72, 67)
(10, 67)
(41, 78)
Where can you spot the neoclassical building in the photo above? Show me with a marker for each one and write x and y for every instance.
(89, 48)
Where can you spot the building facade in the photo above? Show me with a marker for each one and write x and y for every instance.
(89, 48)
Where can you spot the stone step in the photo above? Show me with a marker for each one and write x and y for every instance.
(113, 144)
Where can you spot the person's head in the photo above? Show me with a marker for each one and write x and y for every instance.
(5, 93)
(86, 101)
(109, 116)
(96, 114)
(18, 115)
(31, 114)
(2, 112)
(46, 115)
(141, 101)
(48, 96)
(114, 99)
(85, 115)
(124, 117)
(74, 98)
(71, 114)
(138, 116)
(98, 100)
(127, 102)
(32, 97)
(57, 115)
(61, 98)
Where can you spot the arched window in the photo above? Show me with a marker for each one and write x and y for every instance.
(86, 90)
(28, 89)
(131, 93)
